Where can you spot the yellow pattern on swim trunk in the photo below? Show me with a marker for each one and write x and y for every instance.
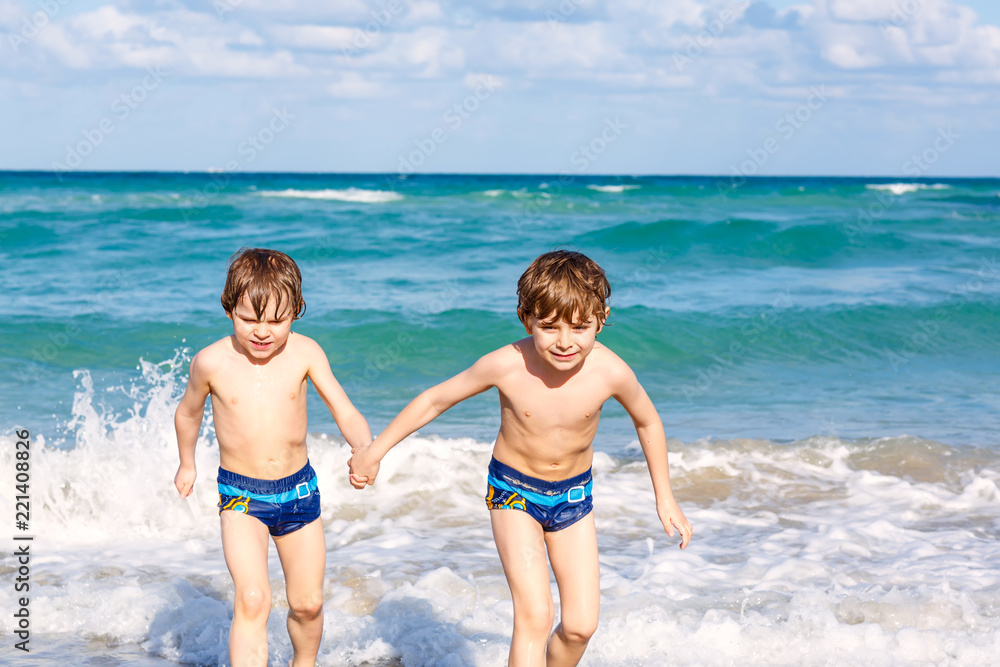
(514, 502)
(238, 504)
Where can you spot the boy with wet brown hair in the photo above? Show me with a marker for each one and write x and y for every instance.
(552, 387)
(257, 379)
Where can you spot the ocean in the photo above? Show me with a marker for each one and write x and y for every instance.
(823, 353)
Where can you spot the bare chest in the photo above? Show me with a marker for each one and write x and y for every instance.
(536, 406)
(259, 390)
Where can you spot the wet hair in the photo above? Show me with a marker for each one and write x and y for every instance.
(260, 274)
(564, 284)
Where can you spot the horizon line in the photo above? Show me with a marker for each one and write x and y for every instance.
(401, 176)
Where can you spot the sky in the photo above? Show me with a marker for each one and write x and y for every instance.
(895, 88)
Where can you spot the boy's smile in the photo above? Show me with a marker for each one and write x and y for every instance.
(260, 338)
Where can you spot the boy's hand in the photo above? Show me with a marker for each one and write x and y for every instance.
(357, 481)
(672, 518)
(184, 480)
(363, 472)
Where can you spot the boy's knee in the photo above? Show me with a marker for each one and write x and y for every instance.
(578, 631)
(253, 603)
(308, 609)
(537, 616)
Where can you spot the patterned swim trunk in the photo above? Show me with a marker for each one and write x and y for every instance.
(283, 505)
(555, 505)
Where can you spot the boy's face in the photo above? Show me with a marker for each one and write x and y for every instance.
(563, 345)
(261, 338)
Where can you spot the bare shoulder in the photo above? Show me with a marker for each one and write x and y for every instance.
(505, 359)
(299, 344)
(308, 351)
(209, 364)
(493, 366)
(612, 367)
(212, 357)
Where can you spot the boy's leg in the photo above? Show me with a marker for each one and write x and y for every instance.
(244, 544)
(573, 554)
(521, 547)
(303, 560)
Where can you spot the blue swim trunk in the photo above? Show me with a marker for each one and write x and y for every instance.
(283, 505)
(555, 505)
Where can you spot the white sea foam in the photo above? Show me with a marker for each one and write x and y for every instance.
(612, 188)
(359, 195)
(903, 188)
(817, 552)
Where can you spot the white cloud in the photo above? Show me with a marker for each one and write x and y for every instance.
(701, 46)
(846, 55)
(353, 86)
(865, 10)
(190, 43)
(559, 50)
(929, 35)
(109, 23)
(10, 16)
(426, 52)
(425, 12)
(324, 38)
(294, 11)
(53, 40)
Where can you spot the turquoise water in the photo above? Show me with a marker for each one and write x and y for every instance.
(783, 308)
(823, 352)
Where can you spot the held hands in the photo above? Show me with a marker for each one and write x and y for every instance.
(184, 480)
(363, 469)
(357, 481)
(673, 518)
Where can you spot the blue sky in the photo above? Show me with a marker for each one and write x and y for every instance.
(853, 87)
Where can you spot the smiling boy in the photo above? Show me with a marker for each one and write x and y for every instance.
(257, 380)
(552, 386)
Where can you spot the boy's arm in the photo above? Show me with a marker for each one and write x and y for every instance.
(422, 410)
(187, 424)
(352, 424)
(653, 440)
